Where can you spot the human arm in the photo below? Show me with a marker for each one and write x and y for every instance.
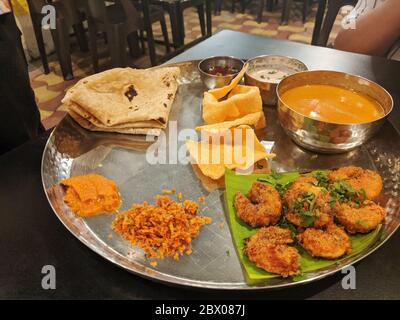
(376, 31)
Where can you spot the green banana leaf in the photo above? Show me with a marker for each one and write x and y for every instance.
(241, 231)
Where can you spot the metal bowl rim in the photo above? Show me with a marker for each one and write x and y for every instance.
(215, 76)
(334, 123)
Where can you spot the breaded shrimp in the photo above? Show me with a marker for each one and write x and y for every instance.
(262, 208)
(307, 204)
(272, 235)
(361, 219)
(268, 249)
(359, 178)
(305, 179)
(331, 243)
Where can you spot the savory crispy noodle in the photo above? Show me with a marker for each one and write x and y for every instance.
(162, 230)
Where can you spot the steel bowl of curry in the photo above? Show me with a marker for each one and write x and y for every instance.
(330, 111)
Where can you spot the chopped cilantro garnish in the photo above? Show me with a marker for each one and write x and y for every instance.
(343, 192)
(272, 180)
(322, 179)
(284, 223)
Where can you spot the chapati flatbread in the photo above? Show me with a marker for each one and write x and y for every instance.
(126, 95)
(90, 126)
(73, 107)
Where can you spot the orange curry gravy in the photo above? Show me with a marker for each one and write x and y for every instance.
(91, 194)
(332, 104)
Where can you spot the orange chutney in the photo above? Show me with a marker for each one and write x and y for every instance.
(332, 104)
(91, 194)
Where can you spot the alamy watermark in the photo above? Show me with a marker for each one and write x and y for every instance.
(349, 280)
(49, 278)
(49, 19)
(233, 147)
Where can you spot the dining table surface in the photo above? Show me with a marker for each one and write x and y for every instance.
(31, 236)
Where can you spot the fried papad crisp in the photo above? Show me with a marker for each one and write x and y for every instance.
(256, 119)
(360, 219)
(91, 194)
(242, 100)
(262, 207)
(239, 149)
(359, 178)
(162, 230)
(331, 243)
(268, 249)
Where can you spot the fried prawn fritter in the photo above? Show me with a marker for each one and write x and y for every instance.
(359, 178)
(360, 219)
(262, 207)
(331, 243)
(306, 179)
(308, 205)
(272, 235)
(268, 249)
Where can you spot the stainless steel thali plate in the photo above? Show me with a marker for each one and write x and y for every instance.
(72, 150)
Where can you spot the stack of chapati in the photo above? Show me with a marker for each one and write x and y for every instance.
(124, 100)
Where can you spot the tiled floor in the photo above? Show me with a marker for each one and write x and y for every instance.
(50, 88)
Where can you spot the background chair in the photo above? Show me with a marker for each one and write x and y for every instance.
(270, 4)
(217, 7)
(35, 7)
(321, 37)
(69, 14)
(261, 4)
(287, 6)
(122, 23)
(199, 5)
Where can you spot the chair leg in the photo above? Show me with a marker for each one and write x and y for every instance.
(165, 34)
(63, 48)
(117, 46)
(208, 18)
(270, 5)
(217, 7)
(149, 32)
(200, 12)
(40, 43)
(133, 44)
(181, 22)
(330, 17)
(243, 6)
(318, 21)
(80, 34)
(261, 5)
(287, 4)
(142, 42)
(173, 10)
(305, 10)
(93, 46)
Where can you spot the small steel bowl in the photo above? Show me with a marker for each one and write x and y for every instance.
(268, 88)
(326, 137)
(213, 81)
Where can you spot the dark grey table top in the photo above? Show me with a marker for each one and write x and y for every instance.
(31, 236)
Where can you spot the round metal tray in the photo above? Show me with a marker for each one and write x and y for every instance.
(72, 150)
